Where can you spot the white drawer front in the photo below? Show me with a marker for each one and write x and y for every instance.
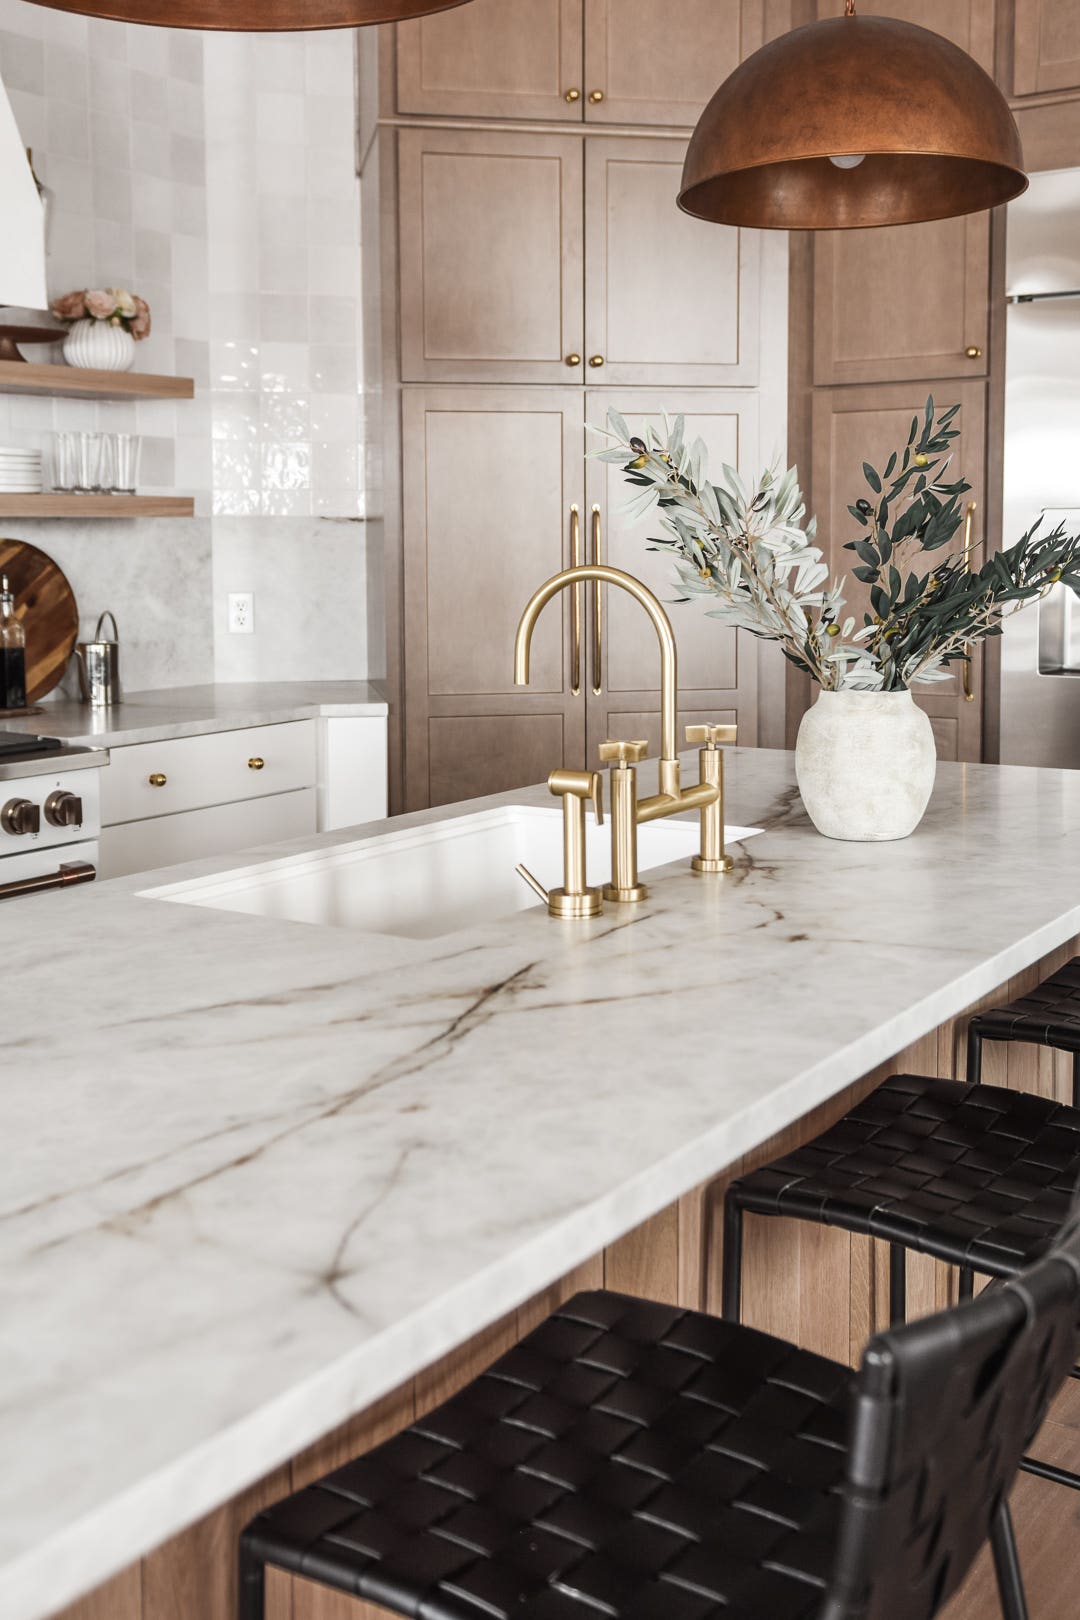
(143, 846)
(187, 773)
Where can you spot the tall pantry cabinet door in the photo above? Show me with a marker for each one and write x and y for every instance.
(1046, 46)
(491, 256)
(660, 64)
(668, 298)
(902, 301)
(718, 666)
(494, 59)
(853, 425)
(490, 476)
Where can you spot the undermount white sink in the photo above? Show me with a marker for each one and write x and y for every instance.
(431, 880)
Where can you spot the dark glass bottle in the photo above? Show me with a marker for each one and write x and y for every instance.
(12, 652)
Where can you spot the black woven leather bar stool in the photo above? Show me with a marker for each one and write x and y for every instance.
(640, 1462)
(1048, 1016)
(977, 1176)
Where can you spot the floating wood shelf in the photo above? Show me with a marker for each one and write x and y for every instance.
(96, 506)
(73, 383)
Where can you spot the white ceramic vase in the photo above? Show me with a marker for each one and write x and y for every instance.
(865, 763)
(99, 346)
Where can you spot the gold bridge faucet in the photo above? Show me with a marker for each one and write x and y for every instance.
(627, 810)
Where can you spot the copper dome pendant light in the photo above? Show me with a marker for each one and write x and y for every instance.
(849, 122)
(254, 16)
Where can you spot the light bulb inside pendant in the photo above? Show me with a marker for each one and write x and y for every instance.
(849, 160)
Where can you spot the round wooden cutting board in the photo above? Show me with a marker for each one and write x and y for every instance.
(45, 603)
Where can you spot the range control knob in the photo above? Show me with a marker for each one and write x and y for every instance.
(20, 817)
(63, 809)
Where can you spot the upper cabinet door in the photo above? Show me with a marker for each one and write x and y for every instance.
(491, 256)
(494, 59)
(902, 301)
(968, 23)
(1046, 46)
(649, 63)
(668, 298)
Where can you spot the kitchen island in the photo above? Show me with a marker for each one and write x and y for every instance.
(269, 1186)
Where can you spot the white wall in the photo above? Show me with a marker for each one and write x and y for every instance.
(214, 175)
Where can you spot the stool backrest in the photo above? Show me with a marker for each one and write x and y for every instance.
(944, 1410)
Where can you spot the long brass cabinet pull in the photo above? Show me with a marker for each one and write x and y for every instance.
(575, 602)
(969, 524)
(598, 607)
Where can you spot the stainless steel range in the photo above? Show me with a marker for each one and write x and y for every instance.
(50, 814)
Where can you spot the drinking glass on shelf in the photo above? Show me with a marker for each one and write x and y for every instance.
(87, 479)
(126, 451)
(63, 462)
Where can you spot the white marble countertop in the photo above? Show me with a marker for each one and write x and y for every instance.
(256, 1173)
(191, 711)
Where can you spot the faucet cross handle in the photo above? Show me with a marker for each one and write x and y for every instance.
(712, 736)
(616, 752)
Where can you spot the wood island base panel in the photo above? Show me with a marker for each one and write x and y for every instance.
(824, 1289)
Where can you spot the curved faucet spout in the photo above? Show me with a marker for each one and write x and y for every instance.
(664, 635)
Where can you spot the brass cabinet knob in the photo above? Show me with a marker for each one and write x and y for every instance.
(596, 361)
(572, 96)
(573, 359)
(158, 779)
(712, 736)
(616, 751)
(973, 352)
(596, 97)
(256, 764)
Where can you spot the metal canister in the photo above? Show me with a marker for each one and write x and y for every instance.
(99, 666)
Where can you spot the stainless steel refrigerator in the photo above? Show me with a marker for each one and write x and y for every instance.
(1040, 665)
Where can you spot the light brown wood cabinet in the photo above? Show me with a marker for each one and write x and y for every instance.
(968, 23)
(487, 518)
(541, 258)
(718, 666)
(902, 302)
(492, 266)
(592, 61)
(1046, 46)
(853, 425)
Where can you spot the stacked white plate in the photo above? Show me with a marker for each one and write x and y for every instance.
(20, 471)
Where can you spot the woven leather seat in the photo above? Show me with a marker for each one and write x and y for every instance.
(641, 1462)
(1049, 1015)
(978, 1176)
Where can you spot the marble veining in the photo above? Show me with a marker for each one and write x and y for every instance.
(258, 1173)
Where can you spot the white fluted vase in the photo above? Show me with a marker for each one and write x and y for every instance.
(99, 346)
(865, 763)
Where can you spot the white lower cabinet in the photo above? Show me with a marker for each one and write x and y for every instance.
(143, 846)
(184, 798)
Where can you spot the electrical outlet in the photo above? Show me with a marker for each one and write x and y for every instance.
(241, 613)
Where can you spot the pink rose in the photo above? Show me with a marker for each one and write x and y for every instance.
(140, 326)
(101, 304)
(72, 307)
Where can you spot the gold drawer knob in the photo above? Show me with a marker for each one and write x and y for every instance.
(573, 359)
(158, 779)
(256, 764)
(573, 95)
(973, 352)
(596, 97)
(596, 361)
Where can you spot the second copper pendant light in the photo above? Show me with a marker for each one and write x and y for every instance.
(853, 121)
